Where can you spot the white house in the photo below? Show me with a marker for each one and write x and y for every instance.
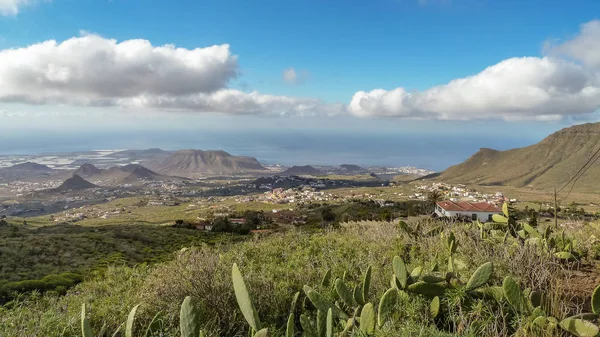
(481, 211)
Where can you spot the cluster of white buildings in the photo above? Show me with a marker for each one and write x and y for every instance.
(293, 195)
(456, 193)
(20, 188)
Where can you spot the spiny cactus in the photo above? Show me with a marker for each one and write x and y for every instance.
(86, 330)
(322, 322)
(290, 327)
(366, 284)
(367, 319)
(329, 324)
(434, 307)
(481, 276)
(344, 293)
(596, 300)
(386, 305)
(400, 271)
(307, 326)
(243, 299)
(131, 322)
(427, 289)
(294, 302)
(189, 318)
(326, 281)
(321, 303)
(579, 327)
(514, 295)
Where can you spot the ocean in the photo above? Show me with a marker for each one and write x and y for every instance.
(314, 147)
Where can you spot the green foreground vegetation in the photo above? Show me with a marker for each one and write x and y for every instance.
(57, 257)
(447, 279)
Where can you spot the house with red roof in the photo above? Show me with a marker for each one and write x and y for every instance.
(481, 211)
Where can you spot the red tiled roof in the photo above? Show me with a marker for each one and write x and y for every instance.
(463, 206)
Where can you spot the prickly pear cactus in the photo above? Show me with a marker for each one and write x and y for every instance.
(481, 276)
(243, 299)
(386, 305)
(189, 318)
(367, 319)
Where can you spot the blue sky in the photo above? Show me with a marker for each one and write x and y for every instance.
(400, 65)
(345, 46)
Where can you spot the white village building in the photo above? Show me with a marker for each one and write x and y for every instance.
(481, 211)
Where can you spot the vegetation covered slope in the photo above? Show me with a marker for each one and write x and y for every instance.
(547, 164)
(28, 256)
(192, 162)
(277, 267)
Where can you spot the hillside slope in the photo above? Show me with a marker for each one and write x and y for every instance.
(301, 170)
(547, 164)
(75, 183)
(189, 163)
(127, 174)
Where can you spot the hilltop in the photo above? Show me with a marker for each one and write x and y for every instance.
(75, 183)
(126, 174)
(29, 166)
(349, 168)
(547, 164)
(88, 170)
(26, 171)
(301, 170)
(191, 163)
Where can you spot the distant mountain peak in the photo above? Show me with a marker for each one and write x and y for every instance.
(75, 183)
(301, 170)
(88, 170)
(29, 166)
(195, 162)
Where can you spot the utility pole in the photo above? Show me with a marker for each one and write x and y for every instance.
(555, 210)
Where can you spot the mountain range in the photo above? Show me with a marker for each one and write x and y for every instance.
(549, 164)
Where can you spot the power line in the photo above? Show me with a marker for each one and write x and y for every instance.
(571, 189)
(580, 170)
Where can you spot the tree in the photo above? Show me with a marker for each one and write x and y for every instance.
(222, 224)
(434, 196)
(328, 215)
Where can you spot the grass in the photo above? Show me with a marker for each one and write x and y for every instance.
(277, 266)
(29, 254)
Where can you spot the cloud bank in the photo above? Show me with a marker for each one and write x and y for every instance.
(566, 82)
(516, 88)
(94, 71)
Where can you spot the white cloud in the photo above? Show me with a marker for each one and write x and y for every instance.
(585, 47)
(236, 102)
(292, 76)
(534, 88)
(12, 7)
(92, 70)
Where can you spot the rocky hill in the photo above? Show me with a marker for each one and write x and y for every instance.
(192, 163)
(127, 174)
(75, 183)
(88, 170)
(26, 171)
(301, 170)
(353, 169)
(545, 165)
